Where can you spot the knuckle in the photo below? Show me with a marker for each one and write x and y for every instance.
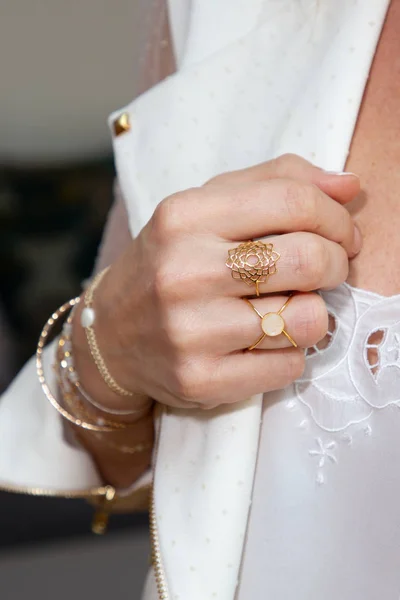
(344, 265)
(189, 385)
(301, 203)
(291, 367)
(311, 322)
(176, 278)
(211, 405)
(295, 364)
(220, 179)
(169, 217)
(311, 260)
(286, 162)
(178, 339)
(346, 225)
(164, 220)
(164, 283)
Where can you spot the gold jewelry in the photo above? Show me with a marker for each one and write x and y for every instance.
(74, 396)
(68, 368)
(272, 324)
(87, 321)
(124, 449)
(42, 379)
(253, 262)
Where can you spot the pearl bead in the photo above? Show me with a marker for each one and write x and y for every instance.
(87, 317)
(272, 324)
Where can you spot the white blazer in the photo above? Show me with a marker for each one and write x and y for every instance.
(255, 79)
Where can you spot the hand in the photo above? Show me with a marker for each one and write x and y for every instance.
(171, 321)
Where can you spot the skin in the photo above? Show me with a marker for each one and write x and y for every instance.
(375, 156)
(186, 347)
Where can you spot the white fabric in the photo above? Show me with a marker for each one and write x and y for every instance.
(179, 17)
(292, 80)
(325, 514)
(288, 76)
(33, 451)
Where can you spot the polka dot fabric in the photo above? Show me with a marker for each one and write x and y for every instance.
(255, 80)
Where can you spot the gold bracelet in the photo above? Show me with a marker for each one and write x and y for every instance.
(112, 426)
(74, 397)
(73, 402)
(141, 447)
(68, 368)
(87, 321)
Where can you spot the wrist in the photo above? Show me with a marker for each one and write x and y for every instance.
(117, 466)
(136, 406)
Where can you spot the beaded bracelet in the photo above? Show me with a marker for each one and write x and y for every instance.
(74, 401)
(68, 366)
(140, 447)
(87, 321)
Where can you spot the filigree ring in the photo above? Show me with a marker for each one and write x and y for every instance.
(253, 262)
(272, 324)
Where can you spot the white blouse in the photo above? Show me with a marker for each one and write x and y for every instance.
(309, 508)
(325, 519)
(280, 77)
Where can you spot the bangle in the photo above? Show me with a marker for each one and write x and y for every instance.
(87, 320)
(74, 397)
(111, 426)
(68, 368)
(72, 401)
(75, 405)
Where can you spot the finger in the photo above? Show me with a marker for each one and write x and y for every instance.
(307, 262)
(244, 374)
(233, 325)
(277, 206)
(341, 186)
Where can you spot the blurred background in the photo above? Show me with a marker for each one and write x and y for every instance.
(64, 66)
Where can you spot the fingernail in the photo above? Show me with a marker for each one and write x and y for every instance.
(358, 240)
(342, 174)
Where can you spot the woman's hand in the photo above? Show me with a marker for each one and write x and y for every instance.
(170, 320)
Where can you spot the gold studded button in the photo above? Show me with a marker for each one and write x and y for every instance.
(122, 124)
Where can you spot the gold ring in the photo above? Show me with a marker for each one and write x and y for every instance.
(253, 262)
(272, 324)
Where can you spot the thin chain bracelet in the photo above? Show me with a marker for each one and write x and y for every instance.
(68, 366)
(141, 447)
(87, 320)
(112, 426)
(74, 397)
(72, 400)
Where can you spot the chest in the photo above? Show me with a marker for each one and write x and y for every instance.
(375, 156)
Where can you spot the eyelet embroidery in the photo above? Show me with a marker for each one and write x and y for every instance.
(325, 343)
(353, 376)
(391, 355)
(372, 351)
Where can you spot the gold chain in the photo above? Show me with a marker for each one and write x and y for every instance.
(44, 336)
(92, 341)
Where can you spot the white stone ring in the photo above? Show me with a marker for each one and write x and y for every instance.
(272, 324)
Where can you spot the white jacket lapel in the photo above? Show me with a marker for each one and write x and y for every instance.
(259, 96)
